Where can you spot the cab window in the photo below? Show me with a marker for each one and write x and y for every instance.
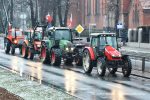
(94, 42)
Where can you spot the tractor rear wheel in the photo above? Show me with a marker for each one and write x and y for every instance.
(45, 58)
(101, 66)
(30, 54)
(12, 49)
(87, 62)
(126, 69)
(24, 51)
(55, 57)
(7, 47)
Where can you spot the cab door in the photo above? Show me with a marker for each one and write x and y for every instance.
(94, 45)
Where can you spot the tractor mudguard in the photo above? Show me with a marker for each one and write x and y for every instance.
(7, 39)
(91, 51)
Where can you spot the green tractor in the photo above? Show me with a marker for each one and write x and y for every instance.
(59, 45)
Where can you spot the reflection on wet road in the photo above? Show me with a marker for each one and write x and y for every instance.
(73, 80)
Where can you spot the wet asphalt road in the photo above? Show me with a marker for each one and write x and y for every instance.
(73, 80)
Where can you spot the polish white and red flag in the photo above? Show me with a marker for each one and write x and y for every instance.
(69, 21)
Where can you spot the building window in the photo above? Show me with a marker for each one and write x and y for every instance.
(88, 7)
(97, 7)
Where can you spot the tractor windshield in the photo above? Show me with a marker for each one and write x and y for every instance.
(38, 35)
(63, 35)
(18, 33)
(109, 40)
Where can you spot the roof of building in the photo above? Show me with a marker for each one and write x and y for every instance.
(145, 4)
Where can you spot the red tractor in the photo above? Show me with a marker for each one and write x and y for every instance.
(32, 43)
(13, 39)
(103, 53)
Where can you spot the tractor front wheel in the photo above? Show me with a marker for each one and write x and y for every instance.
(126, 69)
(78, 61)
(55, 57)
(30, 54)
(87, 62)
(101, 66)
(78, 58)
(12, 49)
(45, 58)
(7, 47)
(24, 51)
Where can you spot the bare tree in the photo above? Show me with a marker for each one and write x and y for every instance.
(113, 10)
(63, 14)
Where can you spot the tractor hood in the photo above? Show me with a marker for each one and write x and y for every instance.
(112, 54)
(65, 43)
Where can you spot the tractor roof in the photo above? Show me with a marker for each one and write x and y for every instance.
(55, 28)
(103, 34)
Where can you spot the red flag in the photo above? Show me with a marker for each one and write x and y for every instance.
(69, 22)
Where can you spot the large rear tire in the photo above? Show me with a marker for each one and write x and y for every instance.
(55, 57)
(126, 69)
(87, 62)
(24, 51)
(101, 66)
(45, 57)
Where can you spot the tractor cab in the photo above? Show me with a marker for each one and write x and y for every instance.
(15, 36)
(101, 40)
(13, 39)
(59, 33)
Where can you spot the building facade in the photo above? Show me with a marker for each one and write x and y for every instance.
(100, 15)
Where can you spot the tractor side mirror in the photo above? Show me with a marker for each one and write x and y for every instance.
(88, 39)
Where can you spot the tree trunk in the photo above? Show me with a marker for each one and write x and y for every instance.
(54, 13)
(11, 11)
(117, 16)
(66, 13)
(32, 13)
(60, 13)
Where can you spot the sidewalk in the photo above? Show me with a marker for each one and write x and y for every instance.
(135, 51)
(30, 90)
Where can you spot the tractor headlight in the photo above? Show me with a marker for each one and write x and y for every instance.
(72, 48)
(38, 45)
(113, 56)
(15, 41)
(67, 49)
(119, 56)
